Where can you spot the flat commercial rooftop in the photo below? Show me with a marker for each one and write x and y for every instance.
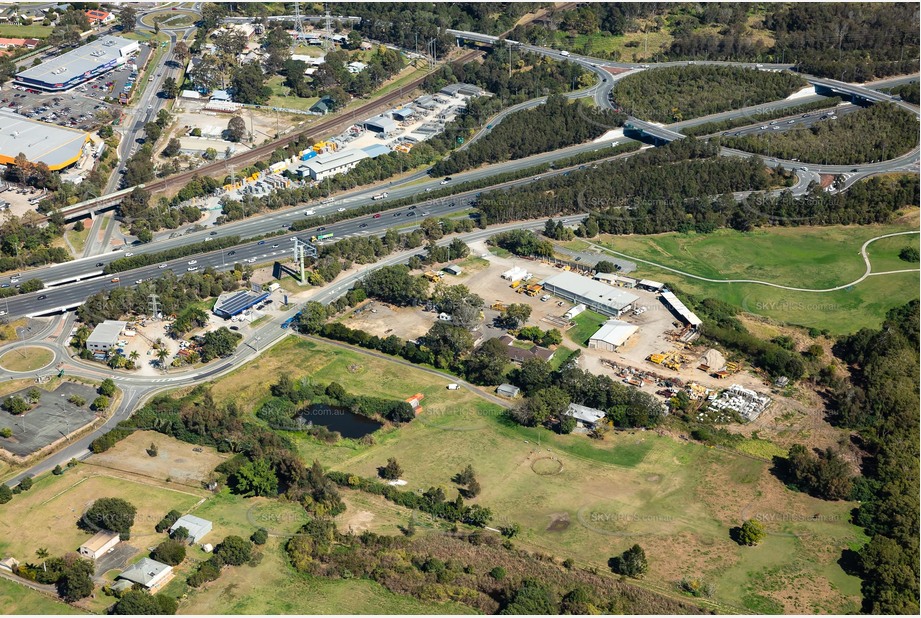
(81, 63)
(57, 147)
(590, 291)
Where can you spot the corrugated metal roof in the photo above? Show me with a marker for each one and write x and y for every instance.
(590, 289)
(615, 332)
(672, 301)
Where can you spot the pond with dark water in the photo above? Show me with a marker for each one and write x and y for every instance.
(344, 421)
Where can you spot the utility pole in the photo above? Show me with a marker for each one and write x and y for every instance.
(153, 306)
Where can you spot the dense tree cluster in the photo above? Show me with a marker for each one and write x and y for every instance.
(671, 94)
(880, 132)
(176, 294)
(432, 501)
(71, 575)
(881, 402)
(26, 244)
(841, 41)
(670, 189)
(549, 394)
(406, 24)
(195, 418)
(522, 242)
(555, 124)
(845, 40)
(824, 474)
(142, 603)
(533, 75)
(631, 563)
(112, 514)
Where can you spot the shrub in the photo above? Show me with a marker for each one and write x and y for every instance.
(6, 432)
(497, 573)
(25, 484)
(260, 536)
(169, 552)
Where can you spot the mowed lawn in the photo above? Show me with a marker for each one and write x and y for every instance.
(804, 257)
(47, 515)
(18, 31)
(18, 599)
(587, 324)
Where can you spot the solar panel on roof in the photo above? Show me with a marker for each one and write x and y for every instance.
(240, 302)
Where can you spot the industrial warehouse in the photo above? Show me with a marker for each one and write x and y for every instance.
(599, 296)
(79, 65)
(55, 146)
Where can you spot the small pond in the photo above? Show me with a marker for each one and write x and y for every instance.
(334, 418)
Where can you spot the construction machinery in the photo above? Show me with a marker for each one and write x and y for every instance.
(432, 276)
(499, 306)
(533, 290)
(516, 284)
(658, 359)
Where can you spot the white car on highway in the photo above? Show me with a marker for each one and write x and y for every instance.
(191, 262)
(192, 268)
(129, 254)
(341, 210)
(162, 266)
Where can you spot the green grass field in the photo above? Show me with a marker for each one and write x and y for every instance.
(806, 257)
(32, 31)
(55, 503)
(18, 599)
(77, 240)
(280, 97)
(587, 323)
(26, 359)
(573, 496)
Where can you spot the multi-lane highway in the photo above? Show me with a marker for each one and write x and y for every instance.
(91, 267)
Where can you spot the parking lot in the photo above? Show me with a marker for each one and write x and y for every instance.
(53, 418)
(70, 109)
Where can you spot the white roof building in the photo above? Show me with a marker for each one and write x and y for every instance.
(98, 544)
(593, 294)
(79, 65)
(105, 336)
(679, 307)
(57, 147)
(612, 335)
(196, 526)
(585, 415)
(330, 164)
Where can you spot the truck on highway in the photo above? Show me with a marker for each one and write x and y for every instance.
(379, 196)
(319, 237)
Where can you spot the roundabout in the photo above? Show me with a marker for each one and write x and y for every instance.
(170, 19)
(26, 359)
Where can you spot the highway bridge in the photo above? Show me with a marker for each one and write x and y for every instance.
(659, 134)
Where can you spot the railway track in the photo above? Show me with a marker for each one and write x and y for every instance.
(262, 152)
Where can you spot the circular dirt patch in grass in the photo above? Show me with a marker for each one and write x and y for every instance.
(26, 359)
(547, 466)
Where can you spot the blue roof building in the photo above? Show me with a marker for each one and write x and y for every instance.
(235, 304)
